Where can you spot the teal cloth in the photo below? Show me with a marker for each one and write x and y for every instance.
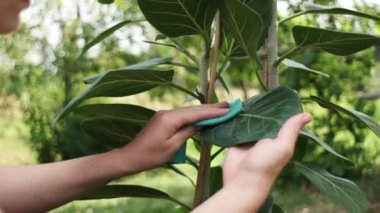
(235, 108)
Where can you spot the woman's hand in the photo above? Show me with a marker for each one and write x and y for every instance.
(266, 158)
(166, 132)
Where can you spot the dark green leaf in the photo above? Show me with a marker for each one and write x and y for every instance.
(340, 11)
(311, 136)
(216, 179)
(342, 191)
(244, 24)
(104, 34)
(359, 116)
(180, 17)
(143, 65)
(297, 65)
(118, 191)
(118, 83)
(262, 117)
(130, 113)
(334, 42)
(113, 132)
(300, 149)
(264, 9)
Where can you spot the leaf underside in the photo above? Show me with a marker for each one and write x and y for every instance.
(342, 191)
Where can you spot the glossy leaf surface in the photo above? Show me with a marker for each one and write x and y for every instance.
(243, 23)
(180, 17)
(334, 42)
(118, 83)
(262, 117)
(359, 116)
(143, 65)
(342, 191)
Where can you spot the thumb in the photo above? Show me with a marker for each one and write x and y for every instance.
(290, 130)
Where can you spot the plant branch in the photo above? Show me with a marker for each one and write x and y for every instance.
(286, 55)
(272, 49)
(214, 62)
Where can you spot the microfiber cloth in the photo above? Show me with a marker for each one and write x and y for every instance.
(235, 108)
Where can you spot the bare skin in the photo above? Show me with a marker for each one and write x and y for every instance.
(249, 170)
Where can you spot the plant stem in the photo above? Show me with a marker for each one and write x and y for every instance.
(291, 17)
(183, 49)
(214, 59)
(286, 55)
(179, 203)
(202, 189)
(272, 49)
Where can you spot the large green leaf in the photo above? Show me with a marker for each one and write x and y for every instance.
(306, 134)
(336, 10)
(118, 83)
(180, 17)
(359, 116)
(264, 9)
(112, 132)
(127, 112)
(342, 191)
(142, 65)
(262, 117)
(104, 35)
(244, 24)
(334, 42)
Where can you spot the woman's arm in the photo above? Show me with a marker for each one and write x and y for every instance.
(39, 188)
(250, 170)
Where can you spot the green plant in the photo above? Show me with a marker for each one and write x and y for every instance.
(229, 29)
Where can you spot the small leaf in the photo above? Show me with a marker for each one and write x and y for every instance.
(106, 1)
(262, 117)
(119, 83)
(244, 24)
(342, 191)
(130, 113)
(180, 17)
(330, 10)
(216, 179)
(311, 136)
(118, 191)
(359, 116)
(105, 33)
(334, 42)
(297, 65)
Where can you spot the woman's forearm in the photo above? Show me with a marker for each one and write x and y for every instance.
(245, 194)
(39, 188)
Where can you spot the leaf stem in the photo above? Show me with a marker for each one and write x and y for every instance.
(183, 49)
(185, 91)
(292, 17)
(286, 55)
(179, 203)
(213, 156)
